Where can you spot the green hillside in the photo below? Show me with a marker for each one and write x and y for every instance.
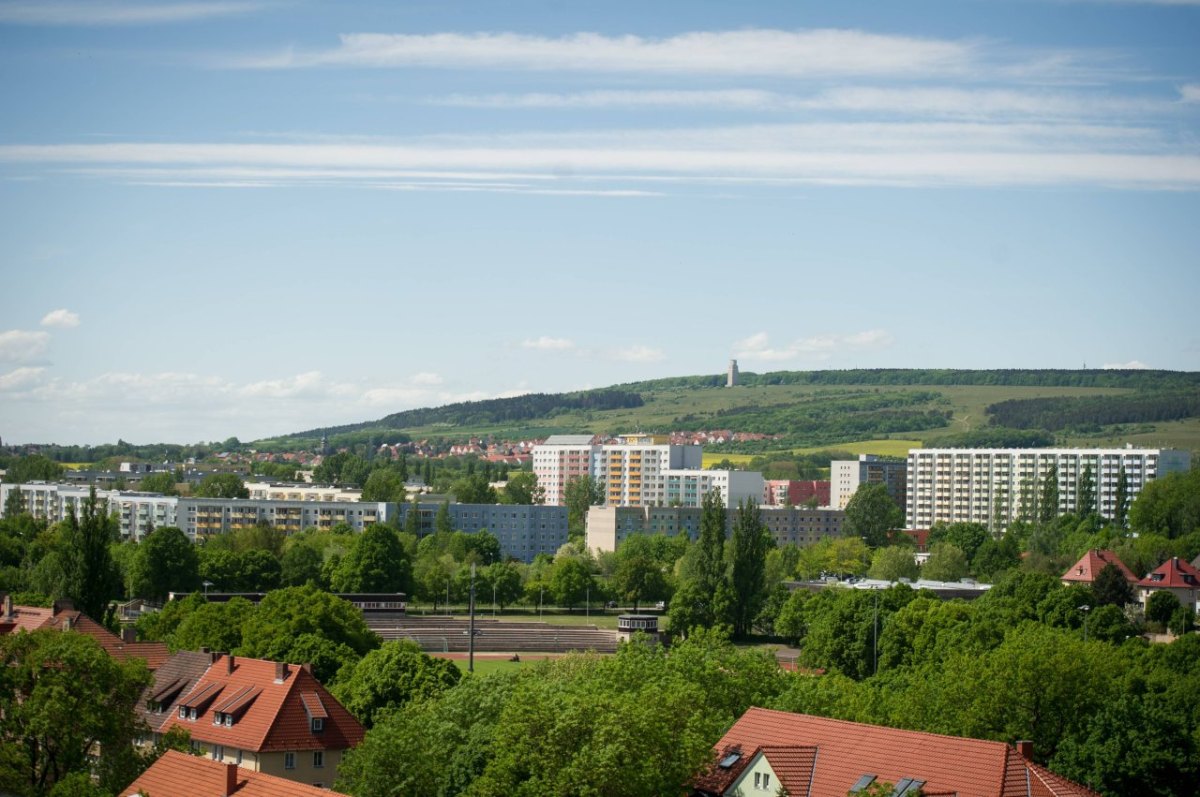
(817, 409)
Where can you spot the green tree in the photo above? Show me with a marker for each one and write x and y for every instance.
(750, 543)
(504, 579)
(300, 565)
(216, 626)
(412, 518)
(92, 577)
(442, 523)
(387, 678)
(62, 695)
(871, 514)
(1168, 506)
(638, 575)
(1160, 606)
(1048, 501)
(162, 481)
(166, 561)
(790, 623)
(1132, 745)
(946, 562)
(376, 562)
(1182, 621)
(522, 488)
(710, 549)
(285, 614)
(474, 489)
(1121, 507)
(32, 468)
(967, 537)
(221, 485)
(579, 494)
(1111, 588)
(1086, 503)
(893, 563)
(570, 581)
(384, 484)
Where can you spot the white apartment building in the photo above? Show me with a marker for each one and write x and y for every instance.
(560, 459)
(640, 470)
(996, 486)
(137, 513)
(847, 475)
(289, 491)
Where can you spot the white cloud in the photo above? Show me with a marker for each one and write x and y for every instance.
(869, 153)
(63, 318)
(21, 378)
(1189, 92)
(935, 102)
(57, 12)
(818, 347)
(639, 353)
(1132, 365)
(809, 53)
(427, 378)
(19, 345)
(546, 343)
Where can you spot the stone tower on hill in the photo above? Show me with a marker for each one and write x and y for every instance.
(731, 377)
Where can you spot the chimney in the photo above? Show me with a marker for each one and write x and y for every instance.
(281, 671)
(231, 779)
(307, 667)
(128, 635)
(229, 664)
(1025, 749)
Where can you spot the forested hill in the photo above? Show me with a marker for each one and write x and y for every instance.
(1139, 379)
(810, 407)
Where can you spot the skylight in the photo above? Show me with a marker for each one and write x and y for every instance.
(862, 783)
(729, 760)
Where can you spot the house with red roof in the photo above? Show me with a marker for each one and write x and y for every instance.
(1175, 576)
(1089, 566)
(63, 615)
(266, 716)
(177, 774)
(173, 680)
(766, 752)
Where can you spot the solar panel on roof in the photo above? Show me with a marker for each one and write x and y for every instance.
(862, 783)
(729, 760)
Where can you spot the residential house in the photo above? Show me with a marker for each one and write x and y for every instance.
(267, 716)
(175, 678)
(1175, 576)
(177, 774)
(63, 615)
(1089, 566)
(771, 752)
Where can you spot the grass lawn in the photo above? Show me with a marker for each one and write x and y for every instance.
(489, 666)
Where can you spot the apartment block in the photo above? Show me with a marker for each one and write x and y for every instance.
(847, 475)
(794, 492)
(997, 486)
(609, 526)
(203, 517)
(137, 513)
(524, 531)
(288, 491)
(562, 458)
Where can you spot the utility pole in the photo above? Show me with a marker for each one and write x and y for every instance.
(471, 625)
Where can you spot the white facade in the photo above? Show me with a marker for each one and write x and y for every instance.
(272, 491)
(632, 472)
(847, 475)
(996, 486)
(136, 513)
(562, 458)
(688, 487)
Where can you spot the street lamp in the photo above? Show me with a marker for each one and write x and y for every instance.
(540, 591)
(1085, 609)
(493, 599)
(207, 584)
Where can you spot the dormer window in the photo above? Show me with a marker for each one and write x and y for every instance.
(182, 713)
(318, 724)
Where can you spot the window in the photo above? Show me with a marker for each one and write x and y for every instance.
(218, 753)
(318, 724)
(318, 759)
(289, 760)
(766, 780)
(758, 780)
(239, 757)
(228, 720)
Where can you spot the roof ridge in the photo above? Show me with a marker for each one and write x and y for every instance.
(986, 742)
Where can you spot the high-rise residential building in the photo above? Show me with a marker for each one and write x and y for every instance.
(995, 486)
(561, 459)
(846, 476)
(609, 526)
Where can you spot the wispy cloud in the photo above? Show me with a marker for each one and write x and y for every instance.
(63, 318)
(1190, 92)
(1132, 365)
(817, 347)
(808, 53)
(20, 378)
(52, 12)
(546, 343)
(901, 154)
(19, 345)
(639, 353)
(928, 102)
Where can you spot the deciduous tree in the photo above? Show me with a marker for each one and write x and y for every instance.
(871, 514)
(392, 675)
(165, 561)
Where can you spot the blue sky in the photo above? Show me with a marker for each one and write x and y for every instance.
(251, 218)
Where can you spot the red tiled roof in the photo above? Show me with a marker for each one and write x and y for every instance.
(26, 618)
(1174, 573)
(177, 774)
(793, 766)
(274, 717)
(312, 704)
(1087, 568)
(845, 751)
(153, 653)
